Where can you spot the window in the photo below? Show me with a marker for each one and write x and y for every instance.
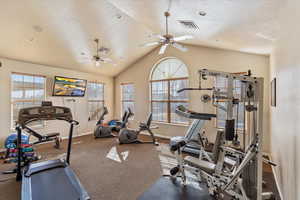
(26, 91)
(238, 112)
(167, 77)
(127, 90)
(95, 99)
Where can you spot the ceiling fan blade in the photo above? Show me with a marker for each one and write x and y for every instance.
(159, 37)
(97, 63)
(150, 44)
(184, 37)
(163, 49)
(106, 60)
(84, 61)
(180, 47)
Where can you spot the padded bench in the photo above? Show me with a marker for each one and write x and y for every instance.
(201, 164)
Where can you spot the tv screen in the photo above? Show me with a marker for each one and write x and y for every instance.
(71, 87)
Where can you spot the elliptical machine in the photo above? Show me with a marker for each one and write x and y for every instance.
(106, 131)
(127, 136)
(101, 130)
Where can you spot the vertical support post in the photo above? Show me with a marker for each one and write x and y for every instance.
(230, 98)
(70, 142)
(19, 147)
(169, 101)
(260, 99)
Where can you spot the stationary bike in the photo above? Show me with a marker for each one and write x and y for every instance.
(106, 130)
(128, 136)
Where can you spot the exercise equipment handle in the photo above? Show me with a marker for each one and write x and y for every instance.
(269, 162)
(74, 122)
(184, 89)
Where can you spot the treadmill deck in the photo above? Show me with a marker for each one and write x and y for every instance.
(56, 183)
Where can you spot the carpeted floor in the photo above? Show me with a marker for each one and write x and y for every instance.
(103, 178)
(107, 170)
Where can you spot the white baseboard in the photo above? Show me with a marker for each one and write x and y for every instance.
(157, 135)
(79, 135)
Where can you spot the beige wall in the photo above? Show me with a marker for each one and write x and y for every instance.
(195, 59)
(79, 107)
(285, 126)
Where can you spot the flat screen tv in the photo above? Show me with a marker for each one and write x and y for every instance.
(69, 87)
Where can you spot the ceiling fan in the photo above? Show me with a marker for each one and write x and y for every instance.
(168, 39)
(97, 58)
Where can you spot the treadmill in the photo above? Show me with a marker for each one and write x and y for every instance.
(53, 179)
(192, 135)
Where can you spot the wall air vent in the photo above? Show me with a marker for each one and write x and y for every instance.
(188, 24)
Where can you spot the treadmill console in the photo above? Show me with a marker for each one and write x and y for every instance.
(44, 112)
(184, 112)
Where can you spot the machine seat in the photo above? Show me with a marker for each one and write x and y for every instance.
(201, 164)
(177, 142)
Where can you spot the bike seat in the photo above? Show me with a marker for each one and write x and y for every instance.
(176, 143)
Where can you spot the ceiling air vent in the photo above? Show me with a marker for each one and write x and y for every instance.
(188, 24)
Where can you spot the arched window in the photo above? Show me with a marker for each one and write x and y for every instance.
(167, 77)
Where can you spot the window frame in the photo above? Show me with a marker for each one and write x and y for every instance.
(95, 101)
(169, 101)
(126, 100)
(13, 102)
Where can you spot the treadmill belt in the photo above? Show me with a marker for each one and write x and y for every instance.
(167, 189)
(53, 184)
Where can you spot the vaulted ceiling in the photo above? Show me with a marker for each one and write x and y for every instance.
(61, 32)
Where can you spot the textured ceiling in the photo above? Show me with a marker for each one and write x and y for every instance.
(58, 32)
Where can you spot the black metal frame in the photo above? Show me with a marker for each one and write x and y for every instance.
(22, 125)
(41, 138)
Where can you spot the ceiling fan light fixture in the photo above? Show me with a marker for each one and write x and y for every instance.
(168, 39)
(202, 13)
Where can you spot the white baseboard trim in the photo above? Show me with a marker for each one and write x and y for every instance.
(157, 135)
(79, 135)
(275, 176)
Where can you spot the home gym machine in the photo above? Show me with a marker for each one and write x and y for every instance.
(240, 179)
(106, 131)
(129, 136)
(243, 181)
(53, 179)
